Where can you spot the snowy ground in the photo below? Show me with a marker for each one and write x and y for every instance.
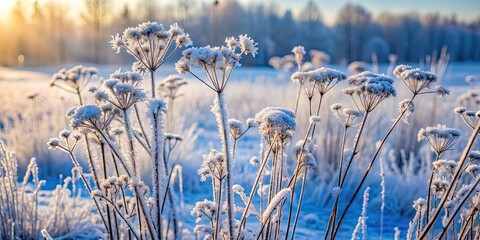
(35, 80)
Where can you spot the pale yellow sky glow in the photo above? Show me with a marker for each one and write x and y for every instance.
(466, 10)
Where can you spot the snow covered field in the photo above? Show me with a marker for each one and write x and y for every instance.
(32, 112)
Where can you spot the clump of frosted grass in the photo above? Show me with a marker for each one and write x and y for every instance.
(28, 211)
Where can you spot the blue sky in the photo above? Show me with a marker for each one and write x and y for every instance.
(464, 9)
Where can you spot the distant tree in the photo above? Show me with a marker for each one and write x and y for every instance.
(94, 16)
(353, 22)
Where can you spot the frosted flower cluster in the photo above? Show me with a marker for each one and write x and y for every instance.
(346, 116)
(322, 80)
(276, 121)
(369, 89)
(304, 152)
(91, 117)
(299, 52)
(169, 86)
(440, 137)
(217, 62)
(237, 129)
(122, 90)
(319, 58)
(150, 42)
(74, 79)
(286, 63)
(213, 165)
(469, 117)
(406, 107)
(418, 80)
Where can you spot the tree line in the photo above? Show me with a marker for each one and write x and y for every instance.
(55, 33)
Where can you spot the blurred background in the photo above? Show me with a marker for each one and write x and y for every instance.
(57, 32)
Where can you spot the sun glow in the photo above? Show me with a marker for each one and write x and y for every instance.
(5, 8)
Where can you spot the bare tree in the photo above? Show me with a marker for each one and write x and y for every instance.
(94, 16)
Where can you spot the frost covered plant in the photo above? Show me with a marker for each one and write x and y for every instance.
(452, 200)
(415, 79)
(299, 52)
(320, 80)
(319, 58)
(25, 208)
(151, 45)
(218, 64)
(469, 117)
(369, 89)
(74, 80)
(169, 89)
(440, 137)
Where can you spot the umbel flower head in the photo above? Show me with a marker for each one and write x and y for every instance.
(322, 79)
(346, 116)
(440, 137)
(74, 79)
(275, 122)
(91, 117)
(121, 90)
(369, 89)
(469, 117)
(170, 85)
(217, 62)
(418, 80)
(150, 43)
(213, 165)
(299, 52)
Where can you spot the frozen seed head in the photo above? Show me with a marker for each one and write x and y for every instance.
(174, 137)
(53, 143)
(314, 120)
(473, 169)
(299, 52)
(335, 107)
(357, 67)
(80, 115)
(238, 189)
(74, 79)
(319, 58)
(474, 155)
(236, 128)
(322, 79)
(156, 107)
(231, 43)
(251, 122)
(273, 121)
(406, 107)
(213, 165)
(470, 79)
(336, 191)
(122, 90)
(247, 45)
(64, 134)
(441, 91)
(445, 165)
(133, 78)
(419, 204)
(254, 161)
(460, 110)
(149, 42)
(96, 193)
(440, 137)
(370, 89)
(416, 79)
(170, 86)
